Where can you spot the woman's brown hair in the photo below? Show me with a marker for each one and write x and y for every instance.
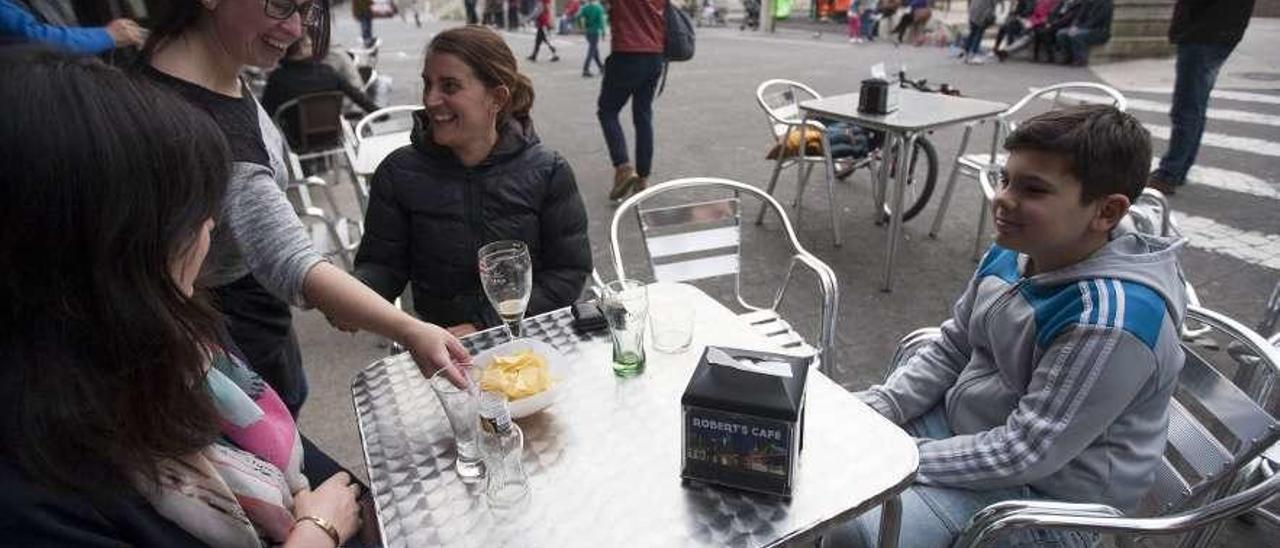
(487, 54)
(107, 179)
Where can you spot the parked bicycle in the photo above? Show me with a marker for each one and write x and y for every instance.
(922, 169)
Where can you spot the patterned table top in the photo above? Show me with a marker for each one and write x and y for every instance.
(604, 460)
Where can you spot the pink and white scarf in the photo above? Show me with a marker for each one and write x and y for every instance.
(238, 491)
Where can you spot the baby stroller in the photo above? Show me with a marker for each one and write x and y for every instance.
(752, 18)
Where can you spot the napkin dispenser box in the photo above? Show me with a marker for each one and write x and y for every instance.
(744, 428)
(877, 96)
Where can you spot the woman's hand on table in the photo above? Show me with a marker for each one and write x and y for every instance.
(434, 349)
(334, 501)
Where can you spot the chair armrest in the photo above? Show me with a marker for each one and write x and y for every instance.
(1004, 517)
(911, 344)
(830, 302)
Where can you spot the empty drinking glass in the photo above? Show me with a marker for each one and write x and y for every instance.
(506, 273)
(625, 305)
(670, 323)
(461, 408)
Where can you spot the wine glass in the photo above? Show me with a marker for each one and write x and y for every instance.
(506, 272)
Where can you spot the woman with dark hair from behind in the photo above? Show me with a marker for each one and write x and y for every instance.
(261, 259)
(475, 173)
(126, 422)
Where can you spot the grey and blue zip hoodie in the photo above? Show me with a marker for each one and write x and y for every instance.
(1060, 380)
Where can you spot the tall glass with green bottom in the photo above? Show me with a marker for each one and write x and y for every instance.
(625, 305)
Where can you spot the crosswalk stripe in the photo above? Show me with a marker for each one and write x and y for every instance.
(1221, 140)
(1230, 95)
(1145, 105)
(1249, 246)
(1227, 179)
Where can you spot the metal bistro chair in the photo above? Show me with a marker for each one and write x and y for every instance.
(986, 166)
(702, 240)
(333, 235)
(377, 122)
(780, 100)
(313, 124)
(1217, 437)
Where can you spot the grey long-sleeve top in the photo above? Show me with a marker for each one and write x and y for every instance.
(257, 232)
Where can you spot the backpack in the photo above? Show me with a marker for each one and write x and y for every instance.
(679, 40)
(679, 46)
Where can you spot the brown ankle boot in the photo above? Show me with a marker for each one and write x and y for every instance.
(623, 178)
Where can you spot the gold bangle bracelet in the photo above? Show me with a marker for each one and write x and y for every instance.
(324, 525)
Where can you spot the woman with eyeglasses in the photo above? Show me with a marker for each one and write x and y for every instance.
(261, 260)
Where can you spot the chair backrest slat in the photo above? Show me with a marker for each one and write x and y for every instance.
(1224, 401)
(692, 241)
(697, 269)
(1196, 445)
(1168, 489)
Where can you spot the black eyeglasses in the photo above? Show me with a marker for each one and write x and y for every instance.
(309, 11)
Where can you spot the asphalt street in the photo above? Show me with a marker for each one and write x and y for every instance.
(708, 124)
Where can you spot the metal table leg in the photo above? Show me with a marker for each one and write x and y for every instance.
(907, 143)
(890, 522)
(951, 181)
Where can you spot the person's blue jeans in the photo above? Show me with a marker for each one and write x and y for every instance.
(1076, 41)
(974, 44)
(634, 77)
(593, 53)
(1196, 72)
(366, 30)
(933, 517)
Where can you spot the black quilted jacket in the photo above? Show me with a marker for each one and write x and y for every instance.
(428, 215)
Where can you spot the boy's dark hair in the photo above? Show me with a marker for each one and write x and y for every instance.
(1109, 149)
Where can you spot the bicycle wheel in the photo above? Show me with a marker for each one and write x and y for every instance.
(922, 175)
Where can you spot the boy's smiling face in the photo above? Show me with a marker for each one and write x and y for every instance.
(1038, 211)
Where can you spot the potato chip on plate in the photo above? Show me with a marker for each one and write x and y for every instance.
(528, 371)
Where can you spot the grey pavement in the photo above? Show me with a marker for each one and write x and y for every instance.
(709, 125)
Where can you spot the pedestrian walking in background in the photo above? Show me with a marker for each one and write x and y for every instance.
(591, 16)
(19, 24)
(543, 23)
(1205, 32)
(362, 10)
(631, 73)
(982, 14)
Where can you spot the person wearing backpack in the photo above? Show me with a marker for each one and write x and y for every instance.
(631, 73)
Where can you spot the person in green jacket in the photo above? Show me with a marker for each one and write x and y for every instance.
(591, 16)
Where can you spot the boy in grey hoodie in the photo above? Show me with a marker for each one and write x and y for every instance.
(1053, 376)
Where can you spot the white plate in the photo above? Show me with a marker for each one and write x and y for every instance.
(556, 363)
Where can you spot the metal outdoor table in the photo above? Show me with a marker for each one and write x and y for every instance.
(917, 113)
(604, 460)
(375, 148)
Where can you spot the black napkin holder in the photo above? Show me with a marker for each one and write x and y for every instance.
(744, 429)
(876, 96)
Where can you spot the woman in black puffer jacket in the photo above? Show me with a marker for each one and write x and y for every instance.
(475, 173)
